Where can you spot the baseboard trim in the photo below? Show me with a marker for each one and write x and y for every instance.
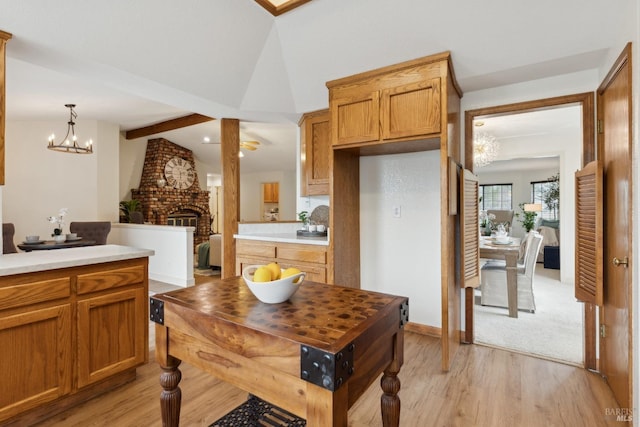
(431, 331)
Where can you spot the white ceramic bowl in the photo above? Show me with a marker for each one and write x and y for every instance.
(273, 292)
(32, 238)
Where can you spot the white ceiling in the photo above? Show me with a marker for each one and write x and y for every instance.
(135, 63)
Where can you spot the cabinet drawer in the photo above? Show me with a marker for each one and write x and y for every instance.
(296, 253)
(315, 273)
(110, 279)
(256, 248)
(31, 293)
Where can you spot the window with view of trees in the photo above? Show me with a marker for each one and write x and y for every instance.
(547, 193)
(495, 196)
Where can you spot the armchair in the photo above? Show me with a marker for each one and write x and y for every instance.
(502, 217)
(493, 283)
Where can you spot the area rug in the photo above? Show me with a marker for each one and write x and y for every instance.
(257, 412)
(554, 331)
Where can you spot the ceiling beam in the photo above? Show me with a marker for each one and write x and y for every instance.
(180, 122)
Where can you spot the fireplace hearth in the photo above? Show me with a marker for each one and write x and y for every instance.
(165, 205)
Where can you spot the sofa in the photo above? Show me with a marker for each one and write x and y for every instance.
(215, 250)
(209, 254)
(549, 229)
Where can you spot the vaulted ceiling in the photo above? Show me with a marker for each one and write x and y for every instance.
(138, 62)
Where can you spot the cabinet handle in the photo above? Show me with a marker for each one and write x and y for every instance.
(618, 262)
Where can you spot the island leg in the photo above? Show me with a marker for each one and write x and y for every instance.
(171, 396)
(390, 383)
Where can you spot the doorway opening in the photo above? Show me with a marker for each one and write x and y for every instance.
(536, 140)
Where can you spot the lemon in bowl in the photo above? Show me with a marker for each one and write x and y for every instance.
(272, 291)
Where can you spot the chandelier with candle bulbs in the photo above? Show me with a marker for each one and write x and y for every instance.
(69, 143)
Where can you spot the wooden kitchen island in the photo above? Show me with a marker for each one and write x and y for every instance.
(312, 356)
(73, 324)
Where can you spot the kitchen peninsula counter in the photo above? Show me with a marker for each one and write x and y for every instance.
(73, 324)
(309, 254)
(29, 262)
(284, 238)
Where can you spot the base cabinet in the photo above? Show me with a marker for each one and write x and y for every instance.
(36, 358)
(311, 259)
(68, 334)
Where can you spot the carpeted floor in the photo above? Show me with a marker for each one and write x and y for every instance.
(554, 331)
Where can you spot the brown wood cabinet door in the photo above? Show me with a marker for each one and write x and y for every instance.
(271, 192)
(411, 110)
(355, 119)
(112, 334)
(316, 142)
(43, 337)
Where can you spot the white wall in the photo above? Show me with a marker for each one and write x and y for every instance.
(251, 194)
(401, 256)
(132, 154)
(172, 261)
(40, 181)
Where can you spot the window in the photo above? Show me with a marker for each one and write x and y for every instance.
(546, 193)
(495, 196)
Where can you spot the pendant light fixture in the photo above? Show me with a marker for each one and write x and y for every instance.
(485, 149)
(70, 142)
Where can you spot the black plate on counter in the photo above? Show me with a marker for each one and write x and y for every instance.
(305, 233)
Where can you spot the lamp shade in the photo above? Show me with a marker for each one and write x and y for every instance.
(533, 207)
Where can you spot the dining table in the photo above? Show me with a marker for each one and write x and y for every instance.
(509, 252)
(45, 245)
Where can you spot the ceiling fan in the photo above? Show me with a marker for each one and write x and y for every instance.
(249, 145)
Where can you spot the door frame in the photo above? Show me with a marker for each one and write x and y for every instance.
(587, 102)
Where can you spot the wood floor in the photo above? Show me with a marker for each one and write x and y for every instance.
(486, 387)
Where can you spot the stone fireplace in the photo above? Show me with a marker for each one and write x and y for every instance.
(163, 204)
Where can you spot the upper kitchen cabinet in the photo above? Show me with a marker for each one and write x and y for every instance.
(405, 104)
(315, 146)
(271, 192)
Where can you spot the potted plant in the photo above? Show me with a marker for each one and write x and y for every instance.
(304, 217)
(128, 206)
(551, 196)
(526, 218)
(59, 221)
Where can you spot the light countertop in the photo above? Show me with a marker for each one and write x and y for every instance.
(284, 238)
(28, 262)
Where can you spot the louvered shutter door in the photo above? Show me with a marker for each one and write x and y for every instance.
(589, 222)
(470, 233)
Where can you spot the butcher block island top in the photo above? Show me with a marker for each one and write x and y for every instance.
(313, 355)
(73, 324)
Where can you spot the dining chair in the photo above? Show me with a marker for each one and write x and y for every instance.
(92, 230)
(493, 280)
(8, 231)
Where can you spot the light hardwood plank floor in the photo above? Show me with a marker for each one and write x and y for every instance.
(486, 387)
